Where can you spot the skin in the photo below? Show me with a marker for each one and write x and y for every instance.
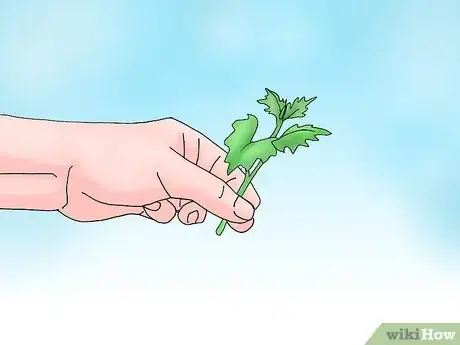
(97, 171)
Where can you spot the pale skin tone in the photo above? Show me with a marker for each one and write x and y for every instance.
(97, 171)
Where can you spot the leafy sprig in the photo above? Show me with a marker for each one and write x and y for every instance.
(249, 155)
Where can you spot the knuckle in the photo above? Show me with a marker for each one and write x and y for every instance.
(235, 180)
(237, 176)
(226, 192)
(170, 122)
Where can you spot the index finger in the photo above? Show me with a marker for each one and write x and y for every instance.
(205, 153)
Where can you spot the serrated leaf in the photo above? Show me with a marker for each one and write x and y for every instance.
(296, 136)
(298, 108)
(274, 103)
(242, 151)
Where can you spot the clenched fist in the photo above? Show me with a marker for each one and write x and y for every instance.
(97, 171)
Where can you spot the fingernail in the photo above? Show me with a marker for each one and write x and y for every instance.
(244, 209)
(192, 217)
(154, 207)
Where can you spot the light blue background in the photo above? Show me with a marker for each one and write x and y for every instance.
(381, 193)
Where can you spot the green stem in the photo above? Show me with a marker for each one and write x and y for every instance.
(279, 124)
(248, 179)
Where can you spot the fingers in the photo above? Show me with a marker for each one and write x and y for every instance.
(191, 213)
(184, 179)
(197, 148)
(250, 194)
(252, 197)
(243, 227)
(235, 179)
(188, 211)
(162, 211)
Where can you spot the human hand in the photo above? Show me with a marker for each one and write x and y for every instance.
(156, 170)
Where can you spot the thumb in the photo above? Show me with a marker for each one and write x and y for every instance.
(183, 179)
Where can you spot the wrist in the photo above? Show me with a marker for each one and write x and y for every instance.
(35, 157)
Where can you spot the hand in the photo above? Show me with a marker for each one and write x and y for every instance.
(156, 170)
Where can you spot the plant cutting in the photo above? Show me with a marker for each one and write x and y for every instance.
(250, 155)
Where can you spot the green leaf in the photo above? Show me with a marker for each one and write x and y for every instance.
(242, 151)
(298, 108)
(296, 136)
(275, 104)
